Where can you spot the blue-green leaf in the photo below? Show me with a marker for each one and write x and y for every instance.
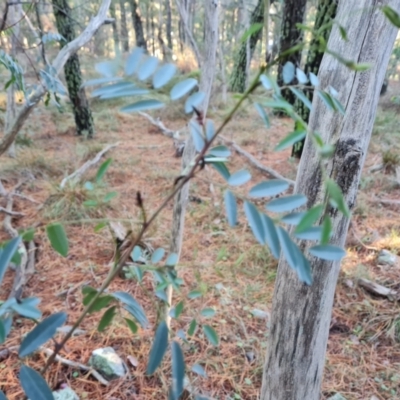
(177, 310)
(133, 61)
(131, 325)
(163, 75)
(102, 170)
(269, 188)
(108, 69)
(211, 335)
(27, 308)
(288, 72)
(222, 169)
(194, 294)
(301, 96)
(255, 221)
(113, 88)
(309, 218)
(2, 396)
(143, 105)
(158, 348)
(311, 233)
(327, 99)
(210, 129)
(207, 312)
(178, 369)
(100, 81)
(219, 151)
(326, 229)
(263, 114)
(313, 79)
(230, 207)
(290, 139)
(336, 197)
(136, 253)
(157, 255)
(41, 333)
(199, 370)
(106, 319)
(147, 68)
(58, 238)
(266, 82)
(194, 100)
(172, 260)
(2, 332)
(251, 31)
(197, 135)
(239, 177)
(124, 93)
(271, 236)
(7, 253)
(286, 203)
(301, 76)
(33, 384)
(327, 252)
(391, 15)
(192, 327)
(182, 88)
(133, 307)
(162, 295)
(293, 218)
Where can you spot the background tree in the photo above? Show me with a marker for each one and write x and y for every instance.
(72, 70)
(301, 314)
(326, 12)
(113, 15)
(124, 27)
(137, 25)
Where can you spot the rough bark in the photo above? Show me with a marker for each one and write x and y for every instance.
(72, 71)
(291, 35)
(238, 77)
(57, 66)
(326, 12)
(137, 25)
(301, 314)
(115, 29)
(124, 27)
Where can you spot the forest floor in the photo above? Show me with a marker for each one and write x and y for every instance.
(234, 273)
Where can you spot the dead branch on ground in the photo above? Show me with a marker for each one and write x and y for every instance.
(377, 289)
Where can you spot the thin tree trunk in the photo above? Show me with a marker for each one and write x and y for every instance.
(72, 71)
(124, 27)
(168, 24)
(326, 12)
(206, 82)
(291, 35)
(137, 25)
(113, 14)
(14, 16)
(153, 30)
(239, 74)
(301, 314)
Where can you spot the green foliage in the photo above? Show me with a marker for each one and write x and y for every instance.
(158, 349)
(58, 238)
(35, 387)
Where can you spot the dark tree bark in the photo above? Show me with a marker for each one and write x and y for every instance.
(326, 12)
(168, 25)
(114, 28)
(138, 25)
(238, 77)
(124, 27)
(291, 35)
(72, 71)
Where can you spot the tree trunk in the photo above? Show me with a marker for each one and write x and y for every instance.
(291, 35)
(72, 71)
(115, 29)
(301, 314)
(239, 74)
(168, 26)
(124, 27)
(326, 12)
(137, 25)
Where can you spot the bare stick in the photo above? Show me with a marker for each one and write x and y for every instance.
(377, 289)
(57, 65)
(386, 201)
(77, 175)
(11, 213)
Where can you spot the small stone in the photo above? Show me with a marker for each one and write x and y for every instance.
(65, 394)
(260, 314)
(337, 396)
(108, 363)
(388, 258)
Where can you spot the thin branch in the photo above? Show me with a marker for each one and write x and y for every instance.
(57, 65)
(77, 175)
(11, 213)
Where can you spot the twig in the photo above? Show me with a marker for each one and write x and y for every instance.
(386, 201)
(377, 289)
(11, 213)
(167, 132)
(22, 196)
(77, 175)
(74, 364)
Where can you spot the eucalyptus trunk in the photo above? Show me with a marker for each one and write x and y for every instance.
(124, 27)
(301, 314)
(72, 70)
(137, 25)
(290, 36)
(326, 13)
